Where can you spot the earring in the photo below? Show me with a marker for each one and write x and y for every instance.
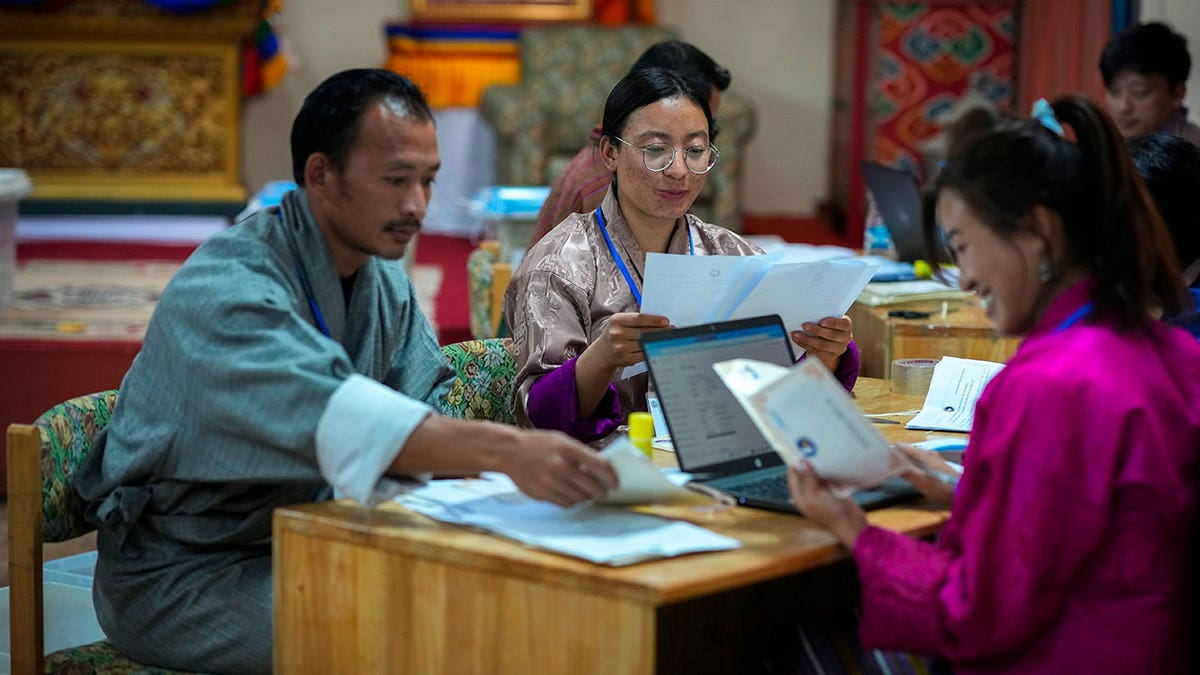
(1046, 271)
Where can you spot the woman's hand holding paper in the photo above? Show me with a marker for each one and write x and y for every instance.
(826, 339)
(824, 505)
(931, 474)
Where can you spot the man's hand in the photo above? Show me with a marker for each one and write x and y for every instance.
(553, 467)
(826, 340)
(820, 504)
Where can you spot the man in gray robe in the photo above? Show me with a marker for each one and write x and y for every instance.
(288, 361)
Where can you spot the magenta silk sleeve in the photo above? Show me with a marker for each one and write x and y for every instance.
(553, 404)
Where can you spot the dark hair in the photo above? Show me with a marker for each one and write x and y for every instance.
(1111, 227)
(328, 121)
(644, 86)
(1148, 49)
(679, 55)
(1170, 166)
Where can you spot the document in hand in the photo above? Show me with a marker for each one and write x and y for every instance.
(804, 412)
(693, 290)
(953, 391)
(600, 534)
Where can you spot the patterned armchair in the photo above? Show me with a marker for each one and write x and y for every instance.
(566, 74)
(42, 507)
(483, 387)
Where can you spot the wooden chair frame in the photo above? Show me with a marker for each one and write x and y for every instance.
(25, 614)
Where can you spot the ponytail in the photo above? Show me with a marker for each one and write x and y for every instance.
(1111, 227)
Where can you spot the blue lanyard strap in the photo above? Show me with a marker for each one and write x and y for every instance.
(1074, 318)
(637, 295)
(312, 302)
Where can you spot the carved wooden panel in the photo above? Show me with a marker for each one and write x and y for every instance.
(115, 101)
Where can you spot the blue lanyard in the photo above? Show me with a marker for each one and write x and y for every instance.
(1074, 318)
(637, 295)
(312, 302)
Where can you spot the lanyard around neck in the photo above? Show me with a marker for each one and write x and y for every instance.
(1074, 318)
(312, 302)
(637, 295)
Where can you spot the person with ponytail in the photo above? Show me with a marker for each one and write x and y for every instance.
(1069, 541)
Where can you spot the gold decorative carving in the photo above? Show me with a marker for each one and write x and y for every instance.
(159, 113)
(117, 99)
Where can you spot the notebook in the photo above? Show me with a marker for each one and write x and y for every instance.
(899, 200)
(714, 438)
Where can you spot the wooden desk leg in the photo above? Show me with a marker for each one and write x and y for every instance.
(350, 608)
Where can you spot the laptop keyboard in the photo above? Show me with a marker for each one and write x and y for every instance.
(768, 488)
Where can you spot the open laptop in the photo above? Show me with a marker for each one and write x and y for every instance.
(899, 200)
(714, 439)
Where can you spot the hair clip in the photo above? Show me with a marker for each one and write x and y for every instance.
(1044, 114)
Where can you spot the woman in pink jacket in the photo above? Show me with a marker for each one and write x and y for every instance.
(1069, 544)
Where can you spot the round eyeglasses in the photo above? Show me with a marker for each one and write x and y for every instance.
(658, 157)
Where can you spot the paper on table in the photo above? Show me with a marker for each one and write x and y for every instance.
(600, 534)
(953, 391)
(804, 412)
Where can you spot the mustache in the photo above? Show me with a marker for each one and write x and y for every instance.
(405, 224)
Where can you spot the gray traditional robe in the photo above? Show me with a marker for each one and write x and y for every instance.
(238, 404)
(568, 286)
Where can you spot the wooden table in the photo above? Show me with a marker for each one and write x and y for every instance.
(387, 590)
(965, 331)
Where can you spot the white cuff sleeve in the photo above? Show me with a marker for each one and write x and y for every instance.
(363, 428)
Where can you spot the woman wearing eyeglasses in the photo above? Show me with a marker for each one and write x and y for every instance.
(572, 305)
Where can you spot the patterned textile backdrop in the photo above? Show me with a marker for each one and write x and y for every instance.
(934, 61)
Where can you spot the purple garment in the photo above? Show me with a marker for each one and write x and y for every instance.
(1067, 548)
(553, 404)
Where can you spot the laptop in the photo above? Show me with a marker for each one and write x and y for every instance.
(899, 200)
(714, 439)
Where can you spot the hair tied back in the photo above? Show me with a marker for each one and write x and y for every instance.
(1044, 114)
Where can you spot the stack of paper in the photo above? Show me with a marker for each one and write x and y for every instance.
(600, 534)
(693, 290)
(890, 293)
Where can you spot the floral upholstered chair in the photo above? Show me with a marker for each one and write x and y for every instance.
(566, 75)
(42, 507)
(483, 387)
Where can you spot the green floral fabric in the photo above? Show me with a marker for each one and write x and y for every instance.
(97, 658)
(566, 75)
(67, 432)
(482, 389)
(479, 292)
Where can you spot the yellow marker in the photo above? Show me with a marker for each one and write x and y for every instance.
(71, 327)
(922, 269)
(641, 431)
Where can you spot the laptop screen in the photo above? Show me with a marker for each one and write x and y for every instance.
(708, 426)
(899, 200)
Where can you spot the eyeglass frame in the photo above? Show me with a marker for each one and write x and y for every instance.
(674, 150)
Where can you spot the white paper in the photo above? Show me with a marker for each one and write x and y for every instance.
(693, 290)
(639, 481)
(686, 289)
(806, 292)
(953, 391)
(600, 534)
(804, 412)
